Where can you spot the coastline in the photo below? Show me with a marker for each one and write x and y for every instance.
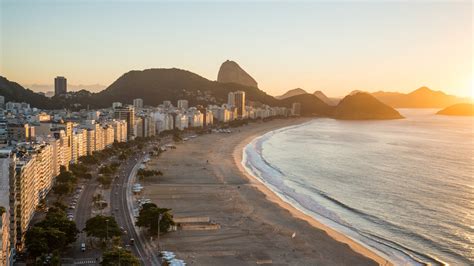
(273, 197)
(256, 226)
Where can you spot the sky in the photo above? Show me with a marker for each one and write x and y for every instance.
(335, 47)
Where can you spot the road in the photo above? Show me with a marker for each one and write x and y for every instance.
(81, 215)
(122, 208)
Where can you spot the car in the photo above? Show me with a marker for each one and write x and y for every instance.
(83, 247)
(132, 241)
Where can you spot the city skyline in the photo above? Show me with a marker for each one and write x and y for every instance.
(377, 46)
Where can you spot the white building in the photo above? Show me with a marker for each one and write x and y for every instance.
(138, 103)
(116, 104)
(183, 104)
(164, 121)
(231, 99)
(181, 121)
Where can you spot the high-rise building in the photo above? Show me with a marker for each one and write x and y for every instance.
(19, 132)
(3, 131)
(183, 104)
(296, 109)
(60, 86)
(240, 103)
(2, 102)
(138, 103)
(25, 195)
(231, 99)
(128, 114)
(5, 248)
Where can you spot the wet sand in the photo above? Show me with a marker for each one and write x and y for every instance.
(256, 227)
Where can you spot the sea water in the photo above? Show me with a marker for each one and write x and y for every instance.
(403, 188)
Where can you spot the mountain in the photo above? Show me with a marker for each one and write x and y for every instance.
(363, 106)
(157, 85)
(291, 93)
(420, 98)
(231, 72)
(13, 91)
(310, 105)
(460, 109)
(324, 98)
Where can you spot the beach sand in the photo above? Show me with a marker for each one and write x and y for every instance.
(256, 227)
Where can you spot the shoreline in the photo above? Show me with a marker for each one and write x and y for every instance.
(295, 212)
(204, 177)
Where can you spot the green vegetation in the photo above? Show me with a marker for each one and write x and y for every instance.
(2, 210)
(89, 159)
(106, 172)
(119, 256)
(143, 173)
(53, 234)
(78, 169)
(149, 215)
(98, 201)
(102, 227)
(65, 183)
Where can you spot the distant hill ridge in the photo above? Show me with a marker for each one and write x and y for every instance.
(299, 91)
(157, 85)
(422, 97)
(291, 93)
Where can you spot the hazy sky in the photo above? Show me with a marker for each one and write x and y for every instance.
(336, 47)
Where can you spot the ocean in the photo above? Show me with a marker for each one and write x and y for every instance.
(403, 188)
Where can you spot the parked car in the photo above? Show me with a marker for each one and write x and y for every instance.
(83, 247)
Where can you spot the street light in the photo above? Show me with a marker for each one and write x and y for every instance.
(106, 230)
(119, 251)
(159, 219)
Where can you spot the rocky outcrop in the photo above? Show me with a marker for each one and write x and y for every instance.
(231, 72)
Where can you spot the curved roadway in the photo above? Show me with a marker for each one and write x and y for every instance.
(122, 209)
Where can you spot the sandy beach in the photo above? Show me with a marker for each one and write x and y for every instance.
(204, 178)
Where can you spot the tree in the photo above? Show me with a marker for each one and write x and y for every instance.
(102, 227)
(56, 218)
(89, 159)
(122, 157)
(105, 180)
(62, 189)
(119, 256)
(142, 173)
(78, 169)
(149, 215)
(66, 177)
(52, 234)
(35, 241)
